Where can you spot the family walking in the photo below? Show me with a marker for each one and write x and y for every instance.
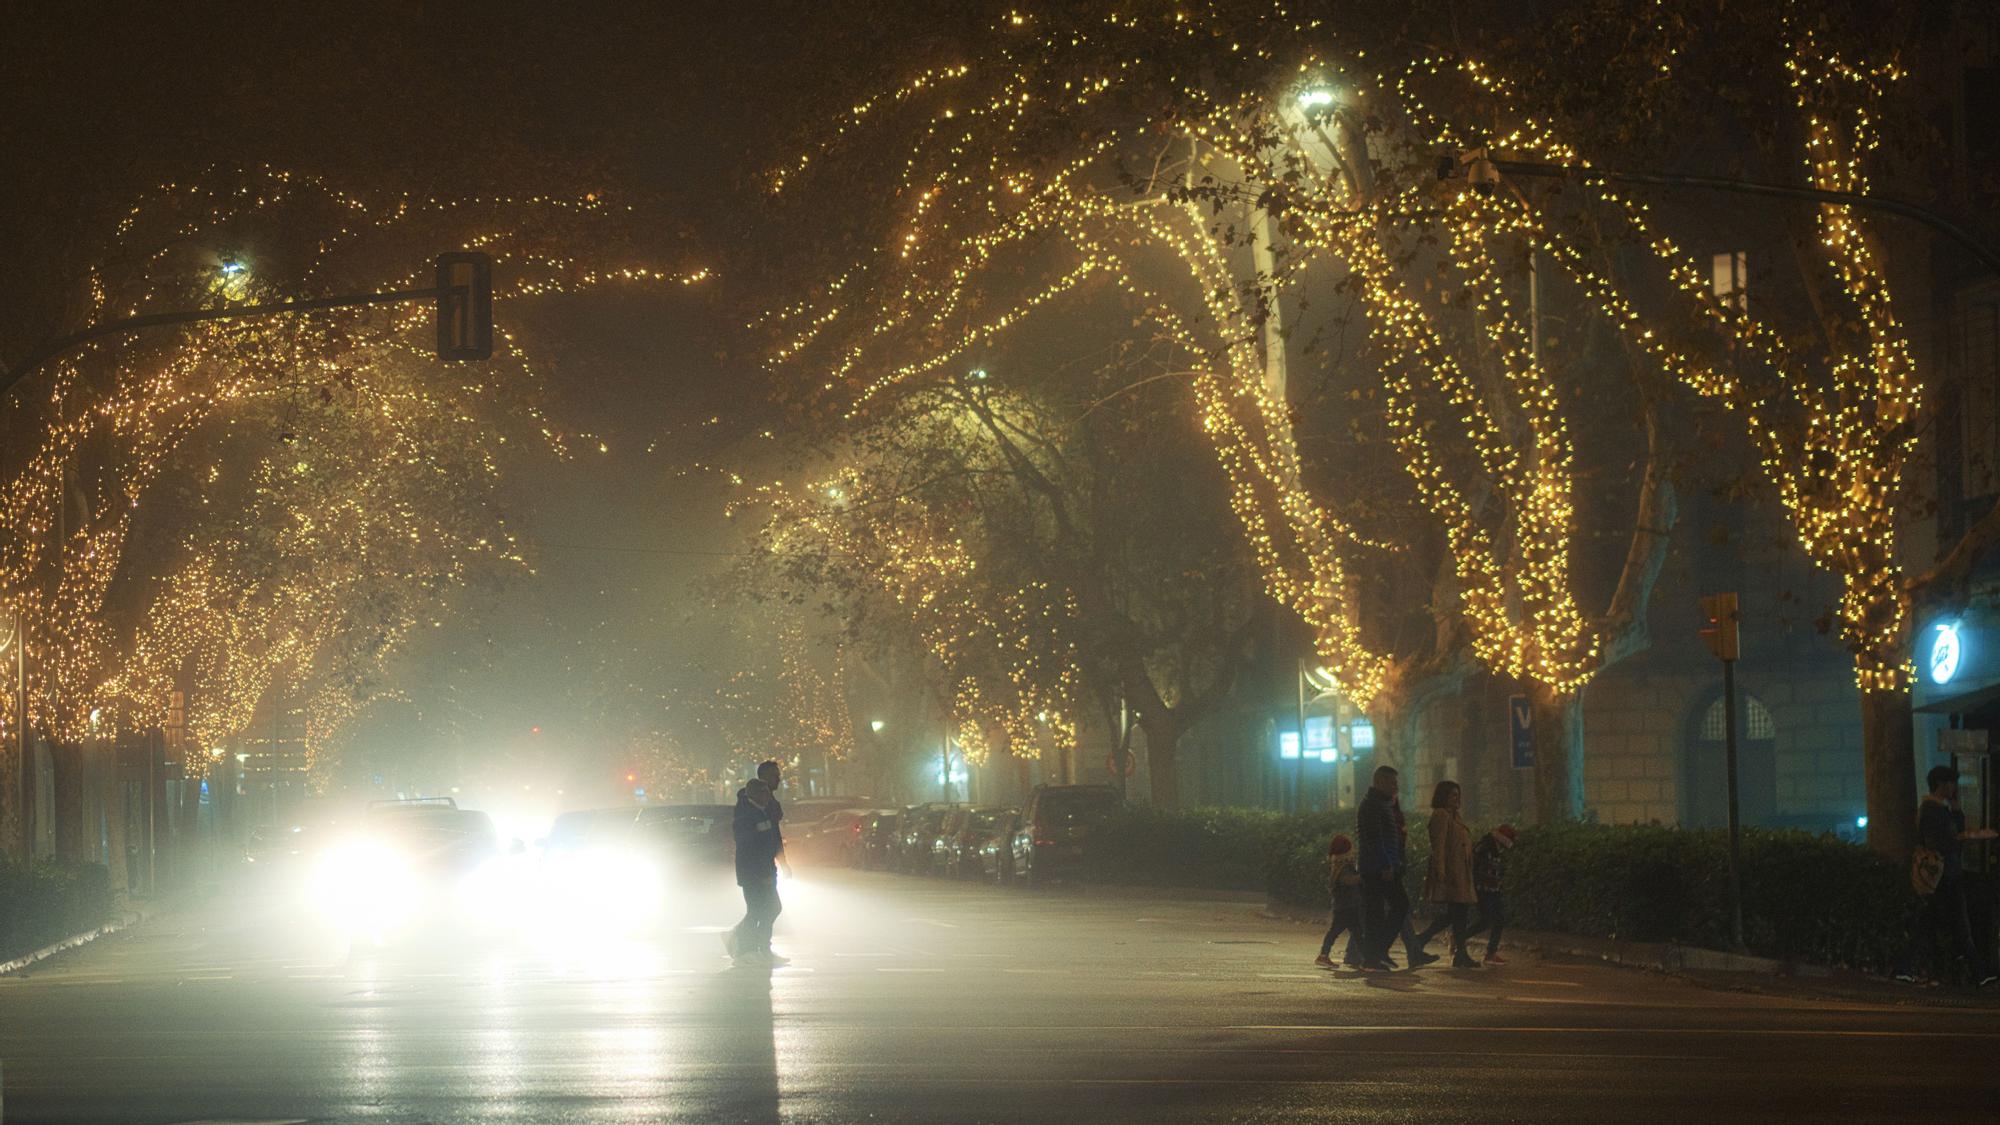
(1371, 904)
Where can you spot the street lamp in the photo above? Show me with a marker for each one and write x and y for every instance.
(876, 725)
(1317, 100)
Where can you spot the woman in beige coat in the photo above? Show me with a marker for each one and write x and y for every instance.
(1448, 881)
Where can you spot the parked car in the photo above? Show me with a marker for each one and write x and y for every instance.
(876, 848)
(918, 829)
(1056, 827)
(826, 840)
(944, 843)
(982, 848)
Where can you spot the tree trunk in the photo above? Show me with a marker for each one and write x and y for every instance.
(1889, 763)
(1163, 740)
(1558, 735)
(71, 803)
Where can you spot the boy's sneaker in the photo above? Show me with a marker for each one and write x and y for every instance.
(1495, 958)
(1323, 961)
(1465, 963)
(1418, 959)
(773, 958)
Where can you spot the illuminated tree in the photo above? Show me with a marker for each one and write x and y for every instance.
(1186, 160)
(322, 485)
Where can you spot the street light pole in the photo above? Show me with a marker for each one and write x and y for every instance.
(1299, 775)
(944, 765)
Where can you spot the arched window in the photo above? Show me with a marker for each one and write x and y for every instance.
(1757, 723)
(1704, 774)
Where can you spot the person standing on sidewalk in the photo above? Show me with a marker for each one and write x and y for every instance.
(1344, 884)
(1448, 880)
(1941, 830)
(758, 845)
(1489, 867)
(1386, 905)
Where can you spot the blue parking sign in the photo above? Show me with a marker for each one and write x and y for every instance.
(1521, 726)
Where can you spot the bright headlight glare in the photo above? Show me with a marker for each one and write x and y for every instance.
(363, 886)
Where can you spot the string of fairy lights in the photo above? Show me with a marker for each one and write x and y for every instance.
(979, 199)
(1009, 676)
(324, 486)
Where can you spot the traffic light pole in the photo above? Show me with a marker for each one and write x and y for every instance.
(1735, 822)
(56, 348)
(464, 293)
(1724, 640)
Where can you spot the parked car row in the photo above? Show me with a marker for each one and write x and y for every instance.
(1037, 842)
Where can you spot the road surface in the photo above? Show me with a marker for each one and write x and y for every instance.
(917, 1000)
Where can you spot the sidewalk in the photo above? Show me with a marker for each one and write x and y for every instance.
(130, 914)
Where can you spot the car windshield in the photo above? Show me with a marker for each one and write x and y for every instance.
(992, 819)
(1070, 805)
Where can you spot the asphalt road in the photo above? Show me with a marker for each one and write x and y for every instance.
(916, 1000)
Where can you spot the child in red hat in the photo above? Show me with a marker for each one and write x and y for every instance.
(1344, 883)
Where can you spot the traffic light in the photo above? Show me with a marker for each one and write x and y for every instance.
(464, 306)
(1720, 636)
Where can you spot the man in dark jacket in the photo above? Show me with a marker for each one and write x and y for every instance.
(758, 845)
(770, 774)
(1941, 828)
(1386, 904)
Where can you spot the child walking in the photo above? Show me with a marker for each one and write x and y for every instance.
(1344, 881)
(1489, 865)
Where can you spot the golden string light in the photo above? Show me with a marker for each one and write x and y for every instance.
(323, 485)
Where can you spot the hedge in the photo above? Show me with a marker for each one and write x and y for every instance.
(1806, 898)
(43, 903)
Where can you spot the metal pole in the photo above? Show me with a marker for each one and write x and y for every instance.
(153, 748)
(944, 765)
(1299, 775)
(1735, 825)
(30, 787)
(55, 348)
(1124, 743)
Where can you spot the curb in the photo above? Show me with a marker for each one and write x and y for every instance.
(68, 943)
(1668, 958)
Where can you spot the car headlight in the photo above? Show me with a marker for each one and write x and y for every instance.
(364, 886)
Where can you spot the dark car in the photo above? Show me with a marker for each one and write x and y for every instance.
(273, 845)
(876, 849)
(590, 828)
(1056, 827)
(986, 845)
(437, 837)
(944, 844)
(917, 830)
(688, 834)
(823, 839)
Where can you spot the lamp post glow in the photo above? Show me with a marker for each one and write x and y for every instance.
(1317, 100)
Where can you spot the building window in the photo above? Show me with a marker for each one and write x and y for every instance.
(1732, 280)
(1704, 779)
(1757, 724)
